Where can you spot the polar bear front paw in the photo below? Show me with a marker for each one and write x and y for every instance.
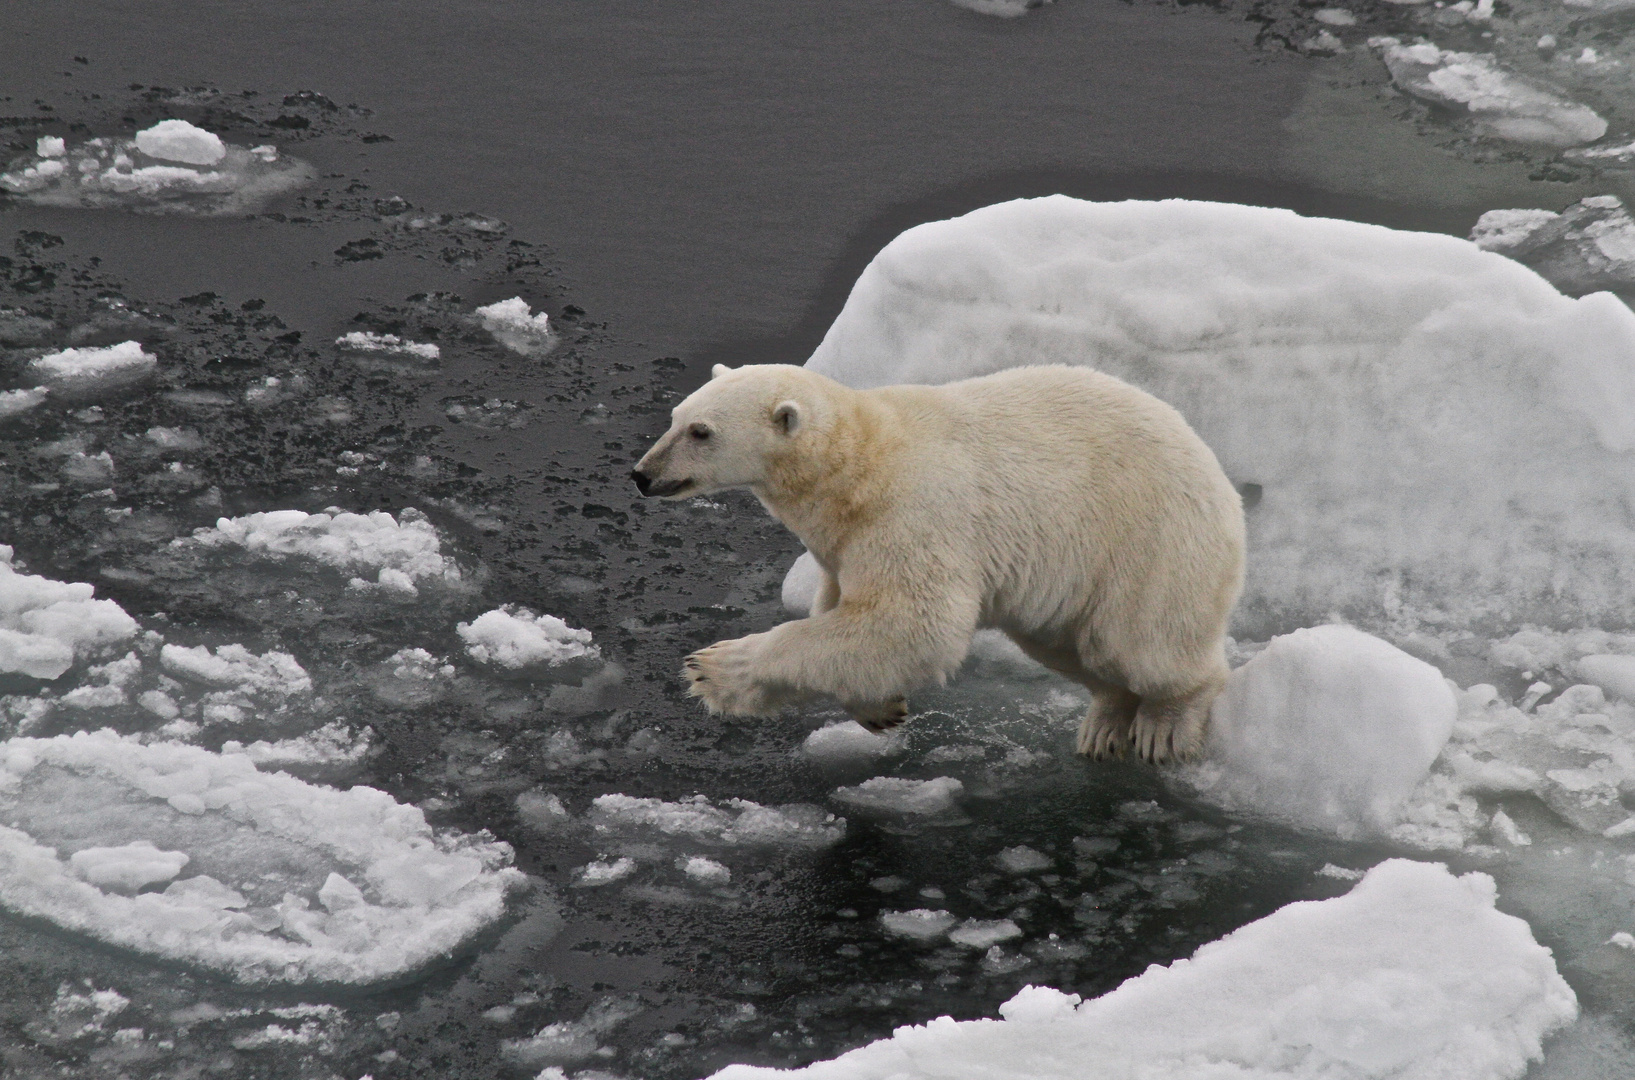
(722, 676)
(880, 716)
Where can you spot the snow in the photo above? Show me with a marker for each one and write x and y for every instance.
(85, 373)
(45, 625)
(1435, 431)
(514, 637)
(1500, 102)
(1412, 975)
(514, 325)
(375, 542)
(1326, 728)
(1588, 246)
(178, 140)
(391, 893)
(738, 822)
(900, 795)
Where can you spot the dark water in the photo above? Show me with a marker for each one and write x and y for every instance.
(684, 183)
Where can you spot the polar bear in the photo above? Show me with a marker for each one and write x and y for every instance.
(1074, 512)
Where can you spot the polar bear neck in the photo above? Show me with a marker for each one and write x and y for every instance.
(828, 484)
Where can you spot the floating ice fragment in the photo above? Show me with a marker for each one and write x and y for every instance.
(1340, 873)
(848, 740)
(515, 326)
(738, 822)
(85, 373)
(46, 625)
(17, 402)
(604, 872)
(569, 1042)
(982, 934)
(333, 744)
(348, 542)
(1588, 246)
(921, 924)
(514, 637)
(178, 140)
(1501, 102)
(1022, 860)
(1335, 17)
(900, 795)
(1613, 674)
(234, 666)
(1434, 428)
(425, 893)
(1412, 975)
(1004, 9)
(1326, 728)
(387, 344)
(705, 871)
(50, 146)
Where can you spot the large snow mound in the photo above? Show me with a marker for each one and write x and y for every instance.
(46, 625)
(1413, 975)
(401, 551)
(288, 881)
(1328, 728)
(1427, 427)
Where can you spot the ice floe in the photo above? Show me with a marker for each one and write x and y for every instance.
(1326, 728)
(45, 625)
(1413, 975)
(737, 822)
(1588, 246)
(921, 924)
(17, 402)
(390, 893)
(1422, 428)
(516, 638)
(514, 325)
(173, 166)
(1004, 9)
(89, 373)
(403, 552)
(235, 667)
(389, 346)
(1500, 102)
(900, 795)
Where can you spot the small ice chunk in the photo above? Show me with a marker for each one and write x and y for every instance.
(1623, 939)
(984, 934)
(366, 341)
(921, 924)
(50, 146)
(1002, 9)
(514, 637)
(349, 542)
(1613, 674)
(704, 870)
(85, 372)
(128, 867)
(46, 625)
(275, 673)
(178, 140)
(1506, 829)
(17, 402)
(1335, 17)
(1502, 230)
(1022, 860)
(1327, 727)
(514, 325)
(604, 872)
(738, 822)
(1339, 873)
(847, 740)
(900, 795)
(1587, 247)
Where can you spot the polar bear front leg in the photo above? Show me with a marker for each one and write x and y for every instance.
(725, 678)
(1106, 730)
(880, 716)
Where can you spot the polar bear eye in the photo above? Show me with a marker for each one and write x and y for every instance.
(699, 432)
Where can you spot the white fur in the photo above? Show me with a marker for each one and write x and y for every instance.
(1078, 514)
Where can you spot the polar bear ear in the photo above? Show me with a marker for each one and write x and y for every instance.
(719, 370)
(787, 417)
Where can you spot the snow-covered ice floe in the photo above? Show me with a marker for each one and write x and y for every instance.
(1500, 102)
(45, 625)
(402, 552)
(514, 325)
(284, 881)
(738, 822)
(1420, 427)
(90, 373)
(171, 167)
(1588, 246)
(1413, 975)
(516, 638)
(17, 402)
(389, 347)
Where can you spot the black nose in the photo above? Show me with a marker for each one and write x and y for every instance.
(643, 481)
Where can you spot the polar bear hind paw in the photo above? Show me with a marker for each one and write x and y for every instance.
(721, 677)
(880, 716)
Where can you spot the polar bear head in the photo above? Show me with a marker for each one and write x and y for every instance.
(732, 431)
